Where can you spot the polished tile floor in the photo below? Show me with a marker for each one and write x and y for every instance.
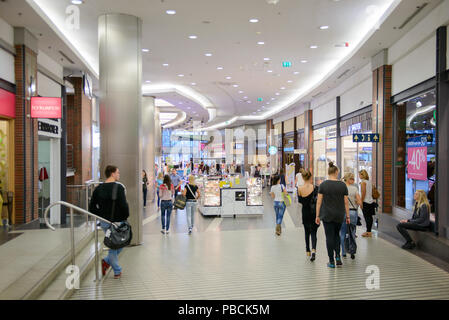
(243, 259)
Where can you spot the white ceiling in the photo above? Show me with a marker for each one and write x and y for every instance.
(288, 29)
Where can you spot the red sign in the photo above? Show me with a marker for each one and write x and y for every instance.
(47, 108)
(7, 104)
(417, 163)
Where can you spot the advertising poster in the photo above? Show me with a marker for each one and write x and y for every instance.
(290, 177)
(417, 158)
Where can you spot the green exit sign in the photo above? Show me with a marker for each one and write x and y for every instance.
(286, 64)
(260, 99)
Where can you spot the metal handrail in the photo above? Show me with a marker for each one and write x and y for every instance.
(72, 229)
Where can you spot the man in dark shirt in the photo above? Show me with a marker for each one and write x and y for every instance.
(101, 205)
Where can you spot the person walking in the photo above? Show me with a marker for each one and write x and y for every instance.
(192, 193)
(167, 192)
(307, 194)
(159, 182)
(144, 187)
(355, 201)
(277, 191)
(176, 181)
(369, 209)
(420, 220)
(101, 204)
(332, 205)
(257, 171)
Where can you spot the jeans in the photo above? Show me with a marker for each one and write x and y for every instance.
(112, 258)
(402, 228)
(332, 230)
(166, 208)
(145, 192)
(158, 199)
(353, 217)
(190, 212)
(279, 208)
(310, 232)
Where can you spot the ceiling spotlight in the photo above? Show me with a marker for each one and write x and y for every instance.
(248, 101)
(77, 1)
(208, 54)
(228, 78)
(289, 81)
(240, 91)
(277, 93)
(304, 61)
(324, 27)
(296, 72)
(260, 42)
(219, 68)
(148, 81)
(245, 97)
(282, 88)
(313, 47)
(268, 103)
(273, 99)
(193, 84)
(165, 64)
(145, 50)
(266, 59)
(193, 37)
(253, 20)
(171, 12)
(235, 85)
(180, 75)
(269, 71)
(272, 1)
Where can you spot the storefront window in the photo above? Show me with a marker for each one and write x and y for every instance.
(415, 150)
(324, 151)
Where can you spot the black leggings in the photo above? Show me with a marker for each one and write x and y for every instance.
(310, 231)
(368, 213)
(332, 230)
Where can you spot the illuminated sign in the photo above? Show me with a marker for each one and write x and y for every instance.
(272, 150)
(46, 108)
(7, 104)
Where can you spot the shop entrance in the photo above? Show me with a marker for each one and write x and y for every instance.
(356, 156)
(6, 173)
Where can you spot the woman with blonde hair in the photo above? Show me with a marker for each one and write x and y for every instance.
(366, 188)
(355, 201)
(420, 220)
(192, 193)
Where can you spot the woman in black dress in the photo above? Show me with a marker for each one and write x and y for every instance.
(307, 195)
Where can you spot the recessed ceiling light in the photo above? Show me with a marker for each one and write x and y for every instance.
(277, 93)
(193, 37)
(180, 102)
(304, 61)
(267, 59)
(282, 88)
(273, 99)
(148, 81)
(248, 101)
(145, 50)
(260, 42)
(268, 103)
(208, 54)
(313, 47)
(228, 78)
(77, 1)
(219, 68)
(193, 84)
(253, 20)
(180, 75)
(240, 91)
(235, 85)
(165, 64)
(245, 97)
(170, 12)
(324, 27)
(289, 81)
(269, 71)
(296, 72)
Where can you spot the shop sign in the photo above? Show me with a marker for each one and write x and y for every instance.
(429, 136)
(49, 128)
(355, 127)
(7, 104)
(366, 137)
(47, 108)
(417, 158)
(300, 151)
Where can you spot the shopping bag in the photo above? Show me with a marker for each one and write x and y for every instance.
(350, 244)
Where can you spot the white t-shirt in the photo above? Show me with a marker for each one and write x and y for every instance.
(277, 190)
(369, 191)
(299, 179)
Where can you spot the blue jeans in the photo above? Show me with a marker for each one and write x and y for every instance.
(279, 208)
(158, 199)
(166, 208)
(353, 218)
(190, 212)
(112, 258)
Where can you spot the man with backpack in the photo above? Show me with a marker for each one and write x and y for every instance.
(109, 202)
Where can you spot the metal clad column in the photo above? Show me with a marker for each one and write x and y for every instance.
(121, 106)
(148, 142)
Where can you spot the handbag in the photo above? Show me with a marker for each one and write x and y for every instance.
(180, 202)
(350, 244)
(117, 236)
(286, 197)
(375, 193)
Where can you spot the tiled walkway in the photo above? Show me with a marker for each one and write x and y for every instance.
(243, 259)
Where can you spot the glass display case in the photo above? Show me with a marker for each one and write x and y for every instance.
(254, 192)
(212, 196)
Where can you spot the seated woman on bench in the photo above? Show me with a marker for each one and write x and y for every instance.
(420, 220)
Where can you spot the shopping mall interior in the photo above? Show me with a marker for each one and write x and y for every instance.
(211, 150)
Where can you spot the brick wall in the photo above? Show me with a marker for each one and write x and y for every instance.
(26, 140)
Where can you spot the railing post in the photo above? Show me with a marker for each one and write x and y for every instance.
(87, 203)
(72, 236)
(97, 260)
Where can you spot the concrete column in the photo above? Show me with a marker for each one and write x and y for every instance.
(121, 107)
(148, 142)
